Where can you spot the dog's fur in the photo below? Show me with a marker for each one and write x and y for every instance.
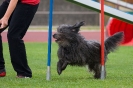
(75, 50)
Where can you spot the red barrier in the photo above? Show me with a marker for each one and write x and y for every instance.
(114, 25)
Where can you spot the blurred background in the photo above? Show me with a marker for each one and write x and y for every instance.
(66, 12)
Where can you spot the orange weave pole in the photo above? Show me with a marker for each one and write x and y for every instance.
(102, 40)
(102, 32)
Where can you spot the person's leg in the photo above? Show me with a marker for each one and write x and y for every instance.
(20, 21)
(3, 8)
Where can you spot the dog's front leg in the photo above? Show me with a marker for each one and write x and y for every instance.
(61, 65)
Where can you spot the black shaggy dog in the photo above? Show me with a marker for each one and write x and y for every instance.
(76, 51)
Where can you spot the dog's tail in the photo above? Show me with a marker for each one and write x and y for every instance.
(112, 42)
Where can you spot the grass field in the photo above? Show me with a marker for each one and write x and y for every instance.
(119, 70)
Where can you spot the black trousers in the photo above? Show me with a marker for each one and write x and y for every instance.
(18, 25)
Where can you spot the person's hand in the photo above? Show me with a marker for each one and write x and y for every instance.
(3, 23)
(10, 9)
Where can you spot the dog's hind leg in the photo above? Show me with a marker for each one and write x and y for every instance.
(97, 71)
(61, 65)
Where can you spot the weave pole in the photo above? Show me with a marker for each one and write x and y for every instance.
(102, 40)
(49, 40)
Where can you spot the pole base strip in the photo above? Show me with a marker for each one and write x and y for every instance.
(103, 72)
(48, 73)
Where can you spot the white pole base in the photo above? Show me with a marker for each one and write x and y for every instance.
(103, 72)
(48, 73)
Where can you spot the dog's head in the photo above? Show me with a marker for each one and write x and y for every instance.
(67, 34)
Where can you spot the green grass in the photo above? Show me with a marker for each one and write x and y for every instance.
(119, 70)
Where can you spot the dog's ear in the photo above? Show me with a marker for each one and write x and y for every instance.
(76, 27)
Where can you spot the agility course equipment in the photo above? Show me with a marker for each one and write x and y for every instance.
(49, 40)
(90, 4)
(112, 12)
(114, 25)
(86, 4)
(94, 6)
(102, 40)
(124, 18)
